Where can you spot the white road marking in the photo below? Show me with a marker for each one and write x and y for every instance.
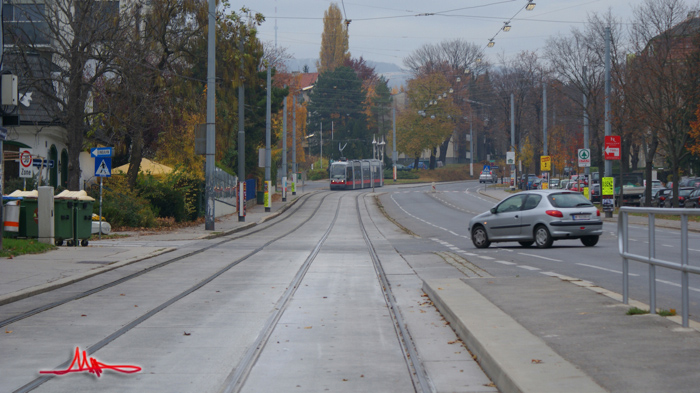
(606, 269)
(676, 285)
(528, 267)
(537, 256)
(506, 263)
(484, 257)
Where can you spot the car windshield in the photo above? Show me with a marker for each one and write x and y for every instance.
(567, 199)
(338, 170)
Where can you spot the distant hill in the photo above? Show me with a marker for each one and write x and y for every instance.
(390, 71)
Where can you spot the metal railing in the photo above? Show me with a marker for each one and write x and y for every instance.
(225, 187)
(651, 259)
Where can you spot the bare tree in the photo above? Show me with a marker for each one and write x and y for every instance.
(657, 90)
(64, 50)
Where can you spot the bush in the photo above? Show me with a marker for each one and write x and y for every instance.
(123, 207)
(389, 174)
(318, 174)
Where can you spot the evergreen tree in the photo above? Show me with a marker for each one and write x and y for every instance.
(334, 41)
(338, 97)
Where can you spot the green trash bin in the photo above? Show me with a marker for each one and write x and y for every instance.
(63, 220)
(83, 220)
(29, 218)
(79, 207)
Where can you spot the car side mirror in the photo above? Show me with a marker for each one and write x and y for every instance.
(493, 210)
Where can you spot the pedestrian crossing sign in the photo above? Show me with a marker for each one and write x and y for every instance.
(103, 166)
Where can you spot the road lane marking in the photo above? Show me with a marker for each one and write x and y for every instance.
(484, 257)
(506, 263)
(526, 267)
(537, 256)
(676, 285)
(606, 269)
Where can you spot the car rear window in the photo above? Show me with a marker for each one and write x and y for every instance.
(568, 199)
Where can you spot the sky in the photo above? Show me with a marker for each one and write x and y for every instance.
(390, 30)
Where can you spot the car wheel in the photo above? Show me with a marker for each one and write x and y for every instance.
(480, 238)
(542, 237)
(526, 244)
(589, 241)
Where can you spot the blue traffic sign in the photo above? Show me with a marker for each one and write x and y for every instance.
(103, 167)
(101, 152)
(38, 162)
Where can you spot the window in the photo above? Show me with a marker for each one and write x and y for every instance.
(532, 202)
(24, 23)
(511, 204)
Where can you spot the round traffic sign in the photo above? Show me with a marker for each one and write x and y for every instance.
(25, 158)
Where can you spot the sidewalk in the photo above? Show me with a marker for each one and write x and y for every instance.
(31, 274)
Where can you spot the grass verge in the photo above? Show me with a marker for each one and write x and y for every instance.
(15, 247)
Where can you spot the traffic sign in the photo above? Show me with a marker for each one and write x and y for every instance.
(584, 157)
(510, 158)
(25, 163)
(101, 152)
(103, 167)
(612, 147)
(545, 163)
(607, 186)
(39, 162)
(25, 158)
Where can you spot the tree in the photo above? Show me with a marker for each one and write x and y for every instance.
(427, 121)
(338, 97)
(84, 38)
(662, 91)
(334, 40)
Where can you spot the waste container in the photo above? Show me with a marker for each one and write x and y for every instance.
(11, 216)
(28, 213)
(78, 205)
(63, 220)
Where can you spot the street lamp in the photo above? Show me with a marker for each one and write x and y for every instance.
(506, 26)
(530, 5)
(374, 147)
(491, 43)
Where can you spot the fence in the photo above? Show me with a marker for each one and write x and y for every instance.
(225, 187)
(651, 259)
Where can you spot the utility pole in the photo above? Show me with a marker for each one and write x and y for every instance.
(210, 148)
(512, 135)
(294, 145)
(586, 137)
(241, 138)
(321, 145)
(394, 156)
(544, 118)
(608, 126)
(268, 127)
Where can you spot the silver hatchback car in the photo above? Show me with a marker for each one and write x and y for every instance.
(539, 217)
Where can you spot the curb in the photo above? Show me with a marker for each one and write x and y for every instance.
(515, 359)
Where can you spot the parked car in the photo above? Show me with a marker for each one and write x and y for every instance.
(487, 177)
(595, 193)
(683, 193)
(693, 200)
(693, 182)
(660, 198)
(530, 179)
(655, 193)
(539, 217)
(553, 183)
(400, 167)
(563, 184)
(421, 165)
(537, 184)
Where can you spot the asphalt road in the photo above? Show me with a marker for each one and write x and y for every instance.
(440, 219)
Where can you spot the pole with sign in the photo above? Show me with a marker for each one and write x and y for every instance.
(103, 168)
(545, 167)
(25, 166)
(613, 144)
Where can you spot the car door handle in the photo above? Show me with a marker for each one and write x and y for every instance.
(516, 216)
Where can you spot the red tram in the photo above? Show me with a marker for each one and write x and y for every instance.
(350, 175)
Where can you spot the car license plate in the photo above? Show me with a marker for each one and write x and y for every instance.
(579, 217)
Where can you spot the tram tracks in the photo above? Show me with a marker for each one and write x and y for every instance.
(149, 269)
(237, 378)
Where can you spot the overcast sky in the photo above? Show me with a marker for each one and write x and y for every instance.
(389, 30)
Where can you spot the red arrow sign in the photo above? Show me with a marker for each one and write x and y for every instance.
(612, 147)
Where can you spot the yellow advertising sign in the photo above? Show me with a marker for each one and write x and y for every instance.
(545, 163)
(607, 186)
(545, 186)
(586, 194)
